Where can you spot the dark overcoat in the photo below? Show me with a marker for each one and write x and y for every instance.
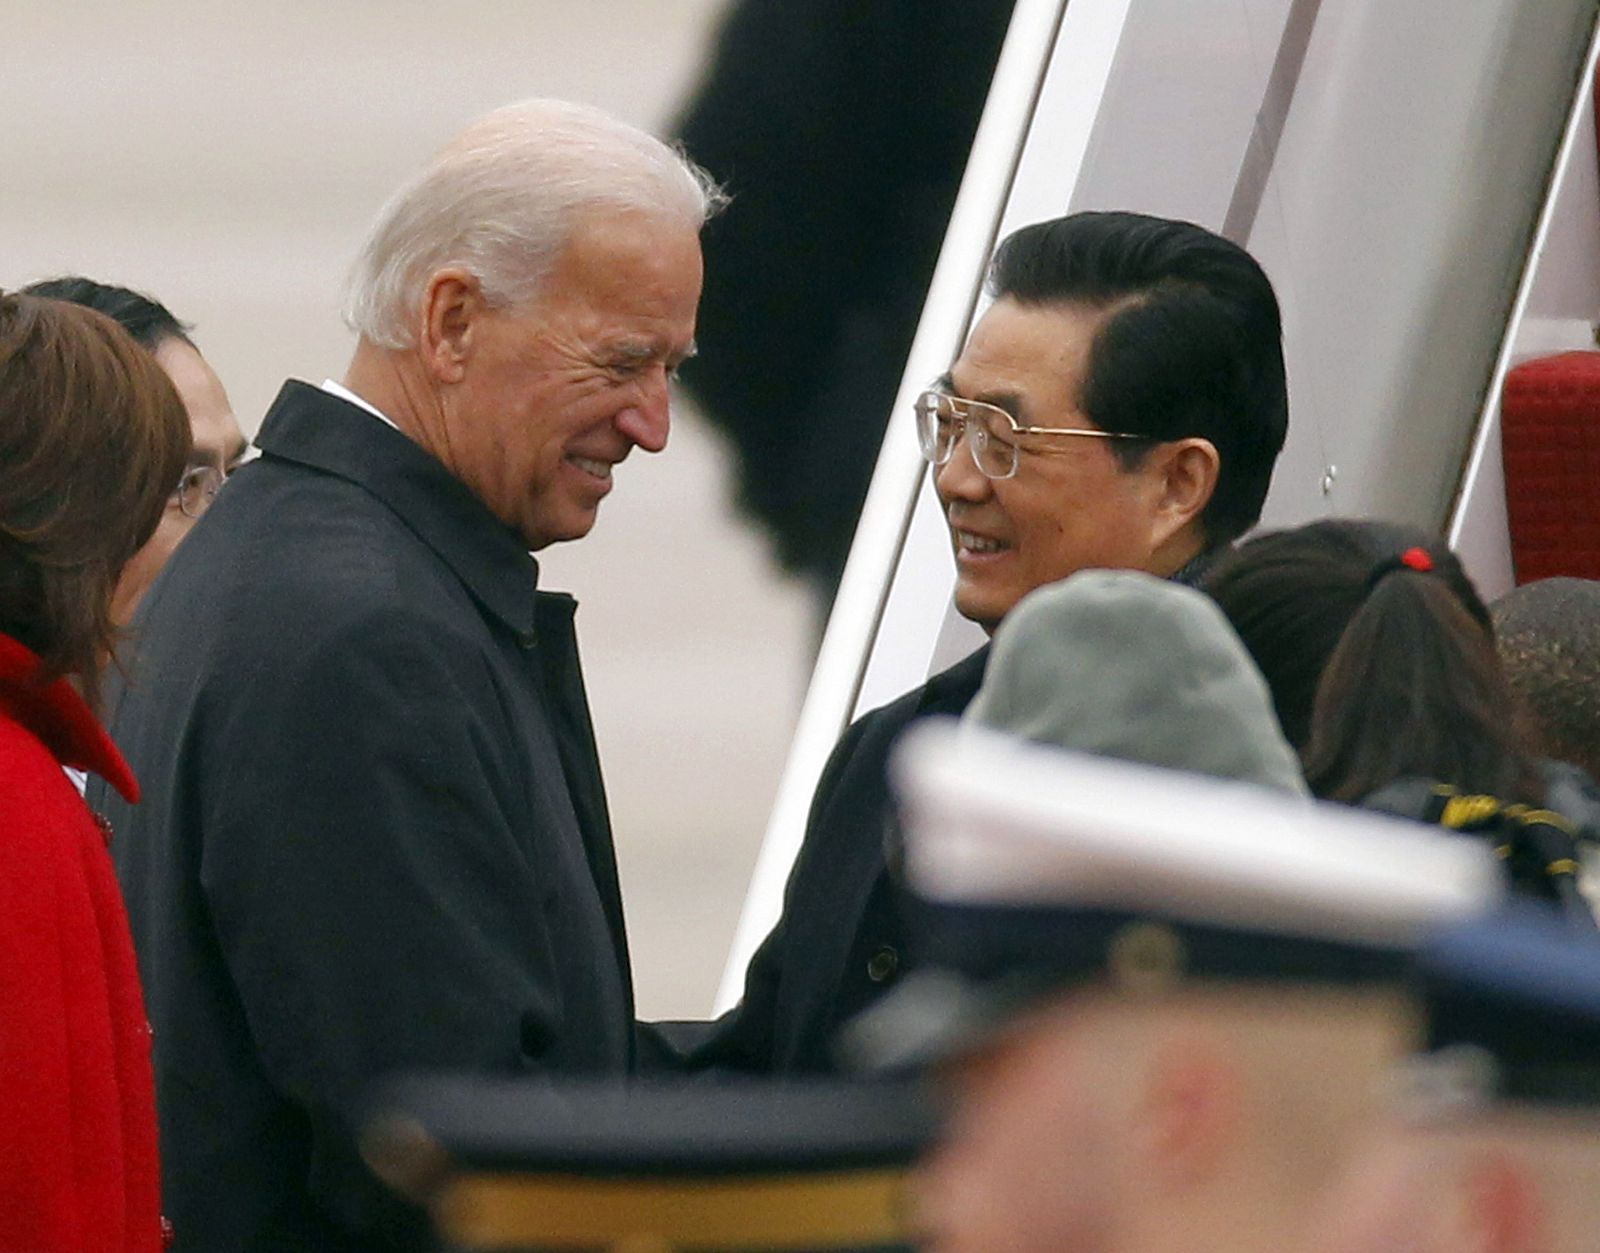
(839, 944)
(374, 835)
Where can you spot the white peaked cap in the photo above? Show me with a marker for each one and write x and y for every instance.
(992, 821)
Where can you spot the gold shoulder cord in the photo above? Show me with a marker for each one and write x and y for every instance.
(1466, 811)
(810, 1211)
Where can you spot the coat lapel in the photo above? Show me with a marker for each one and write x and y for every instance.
(556, 655)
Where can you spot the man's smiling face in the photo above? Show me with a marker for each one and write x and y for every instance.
(1071, 504)
(555, 395)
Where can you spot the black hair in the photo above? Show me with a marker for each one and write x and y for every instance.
(149, 321)
(1549, 641)
(1191, 345)
(1378, 671)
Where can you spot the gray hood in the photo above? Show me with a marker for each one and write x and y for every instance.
(1130, 666)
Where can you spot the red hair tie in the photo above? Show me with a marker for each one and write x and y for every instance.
(1416, 558)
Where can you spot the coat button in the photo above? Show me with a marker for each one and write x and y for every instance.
(882, 964)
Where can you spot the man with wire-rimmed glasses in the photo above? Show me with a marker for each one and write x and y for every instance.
(1119, 405)
(1001, 549)
(219, 445)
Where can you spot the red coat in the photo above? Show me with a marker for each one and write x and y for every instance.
(78, 1165)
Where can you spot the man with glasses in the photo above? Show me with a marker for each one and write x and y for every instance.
(219, 444)
(1119, 405)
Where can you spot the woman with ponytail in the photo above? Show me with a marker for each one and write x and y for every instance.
(1380, 658)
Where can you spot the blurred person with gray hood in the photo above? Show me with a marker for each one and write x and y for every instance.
(1126, 665)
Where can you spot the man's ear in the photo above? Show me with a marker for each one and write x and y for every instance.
(1185, 473)
(1189, 1110)
(452, 306)
(1504, 1211)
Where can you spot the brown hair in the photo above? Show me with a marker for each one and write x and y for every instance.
(1378, 670)
(93, 439)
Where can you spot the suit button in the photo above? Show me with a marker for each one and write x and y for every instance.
(882, 964)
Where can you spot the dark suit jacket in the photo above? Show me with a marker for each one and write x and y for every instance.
(373, 835)
(840, 943)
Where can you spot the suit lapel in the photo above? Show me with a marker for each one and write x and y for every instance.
(556, 656)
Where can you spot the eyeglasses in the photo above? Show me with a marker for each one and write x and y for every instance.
(991, 432)
(197, 489)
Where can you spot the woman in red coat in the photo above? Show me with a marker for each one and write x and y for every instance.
(92, 439)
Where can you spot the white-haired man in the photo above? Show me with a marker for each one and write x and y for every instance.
(374, 835)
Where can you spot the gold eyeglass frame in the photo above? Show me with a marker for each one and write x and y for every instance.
(965, 410)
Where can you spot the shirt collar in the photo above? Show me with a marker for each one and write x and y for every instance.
(327, 431)
(344, 393)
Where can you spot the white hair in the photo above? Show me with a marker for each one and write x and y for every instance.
(502, 199)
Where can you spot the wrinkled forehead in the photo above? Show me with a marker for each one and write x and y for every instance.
(635, 278)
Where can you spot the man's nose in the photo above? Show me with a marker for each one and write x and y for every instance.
(959, 478)
(648, 422)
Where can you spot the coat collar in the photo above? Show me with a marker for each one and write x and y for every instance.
(1198, 566)
(951, 689)
(54, 712)
(315, 428)
(961, 681)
